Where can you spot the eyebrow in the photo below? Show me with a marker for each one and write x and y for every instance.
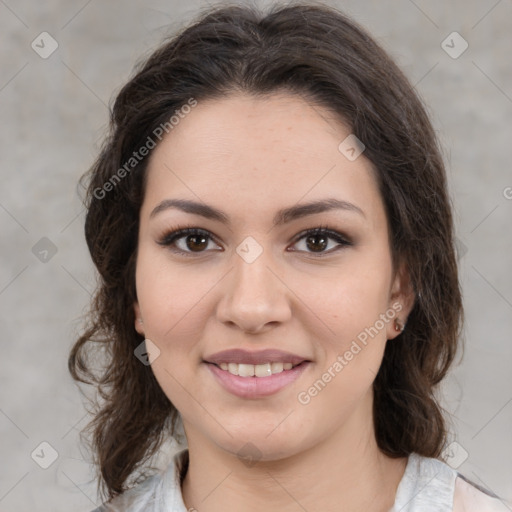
(282, 216)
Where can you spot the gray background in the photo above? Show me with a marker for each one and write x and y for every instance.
(53, 114)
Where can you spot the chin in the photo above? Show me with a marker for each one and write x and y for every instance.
(251, 451)
(254, 443)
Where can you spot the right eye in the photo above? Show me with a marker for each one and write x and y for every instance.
(191, 238)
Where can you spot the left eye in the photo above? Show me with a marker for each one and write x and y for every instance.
(318, 240)
(197, 241)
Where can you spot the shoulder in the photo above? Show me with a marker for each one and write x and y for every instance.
(160, 492)
(141, 497)
(431, 484)
(468, 498)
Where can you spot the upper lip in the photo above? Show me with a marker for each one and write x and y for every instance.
(241, 356)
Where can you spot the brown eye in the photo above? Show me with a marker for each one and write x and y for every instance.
(196, 242)
(317, 240)
(187, 241)
(190, 241)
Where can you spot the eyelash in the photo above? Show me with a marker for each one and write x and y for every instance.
(172, 236)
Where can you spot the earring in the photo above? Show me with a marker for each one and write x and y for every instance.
(399, 327)
(140, 320)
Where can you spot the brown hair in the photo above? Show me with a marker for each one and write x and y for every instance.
(319, 53)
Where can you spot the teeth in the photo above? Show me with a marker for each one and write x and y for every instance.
(258, 370)
(246, 370)
(276, 367)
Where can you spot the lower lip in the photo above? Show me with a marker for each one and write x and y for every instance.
(256, 387)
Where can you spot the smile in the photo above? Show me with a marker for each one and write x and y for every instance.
(250, 383)
(256, 370)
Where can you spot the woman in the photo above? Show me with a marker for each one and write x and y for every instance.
(271, 225)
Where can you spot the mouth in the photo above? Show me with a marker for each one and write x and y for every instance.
(257, 370)
(256, 381)
(261, 363)
(251, 375)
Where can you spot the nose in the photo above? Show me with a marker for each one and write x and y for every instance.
(254, 296)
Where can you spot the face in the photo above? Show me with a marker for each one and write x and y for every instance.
(254, 279)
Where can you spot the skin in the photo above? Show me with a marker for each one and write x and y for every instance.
(251, 157)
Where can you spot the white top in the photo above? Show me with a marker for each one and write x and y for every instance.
(428, 485)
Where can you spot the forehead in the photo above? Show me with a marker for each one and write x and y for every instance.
(260, 153)
(243, 124)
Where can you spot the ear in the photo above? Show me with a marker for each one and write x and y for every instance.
(401, 299)
(139, 325)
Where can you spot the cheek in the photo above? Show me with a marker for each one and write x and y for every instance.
(169, 300)
(357, 307)
(357, 310)
(347, 296)
(355, 295)
(169, 296)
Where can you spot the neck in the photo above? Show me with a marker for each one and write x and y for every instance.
(346, 469)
